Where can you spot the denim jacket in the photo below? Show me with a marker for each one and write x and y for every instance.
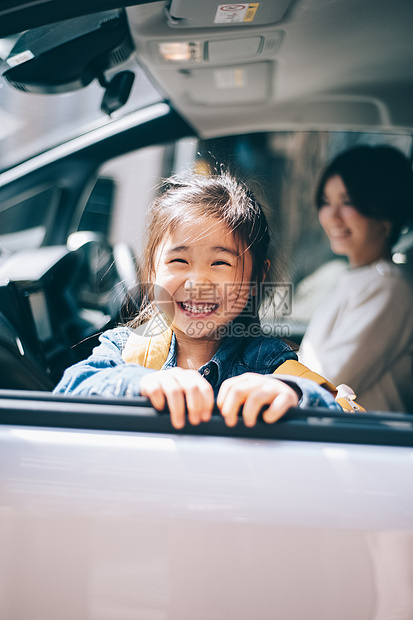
(105, 373)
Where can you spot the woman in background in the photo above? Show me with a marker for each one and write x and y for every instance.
(362, 333)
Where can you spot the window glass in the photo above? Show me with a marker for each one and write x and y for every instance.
(136, 180)
(23, 223)
(32, 123)
(97, 214)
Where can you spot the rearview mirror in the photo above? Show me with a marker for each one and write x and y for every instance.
(68, 55)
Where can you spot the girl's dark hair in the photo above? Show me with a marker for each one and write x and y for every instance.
(221, 197)
(379, 181)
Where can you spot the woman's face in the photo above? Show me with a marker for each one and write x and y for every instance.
(362, 239)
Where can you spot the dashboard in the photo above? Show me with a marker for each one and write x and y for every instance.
(56, 300)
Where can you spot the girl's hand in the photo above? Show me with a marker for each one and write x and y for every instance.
(180, 388)
(254, 391)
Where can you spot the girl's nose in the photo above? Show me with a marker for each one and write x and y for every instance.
(197, 282)
(189, 284)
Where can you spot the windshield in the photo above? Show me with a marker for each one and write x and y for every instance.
(32, 123)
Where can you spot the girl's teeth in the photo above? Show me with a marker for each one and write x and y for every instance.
(198, 308)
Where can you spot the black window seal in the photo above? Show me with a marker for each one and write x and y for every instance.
(44, 409)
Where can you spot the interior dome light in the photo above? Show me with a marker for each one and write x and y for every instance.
(181, 51)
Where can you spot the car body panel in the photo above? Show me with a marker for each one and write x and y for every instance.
(99, 524)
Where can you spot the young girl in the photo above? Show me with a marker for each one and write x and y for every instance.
(205, 263)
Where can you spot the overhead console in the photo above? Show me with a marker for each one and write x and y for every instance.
(257, 66)
(209, 54)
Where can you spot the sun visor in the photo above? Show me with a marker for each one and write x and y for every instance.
(210, 13)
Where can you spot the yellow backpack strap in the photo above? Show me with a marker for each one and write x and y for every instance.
(148, 351)
(296, 369)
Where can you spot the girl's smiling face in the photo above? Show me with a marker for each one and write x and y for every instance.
(362, 239)
(202, 277)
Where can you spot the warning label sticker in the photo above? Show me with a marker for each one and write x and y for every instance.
(236, 13)
(18, 59)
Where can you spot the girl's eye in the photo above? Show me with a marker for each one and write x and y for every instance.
(221, 262)
(178, 260)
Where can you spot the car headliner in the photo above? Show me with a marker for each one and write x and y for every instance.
(342, 64)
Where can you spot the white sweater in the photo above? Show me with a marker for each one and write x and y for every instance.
(362, 335)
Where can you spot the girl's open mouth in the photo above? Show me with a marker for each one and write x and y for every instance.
(197, 308)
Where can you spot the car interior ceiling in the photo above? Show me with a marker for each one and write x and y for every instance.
(328, 88)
